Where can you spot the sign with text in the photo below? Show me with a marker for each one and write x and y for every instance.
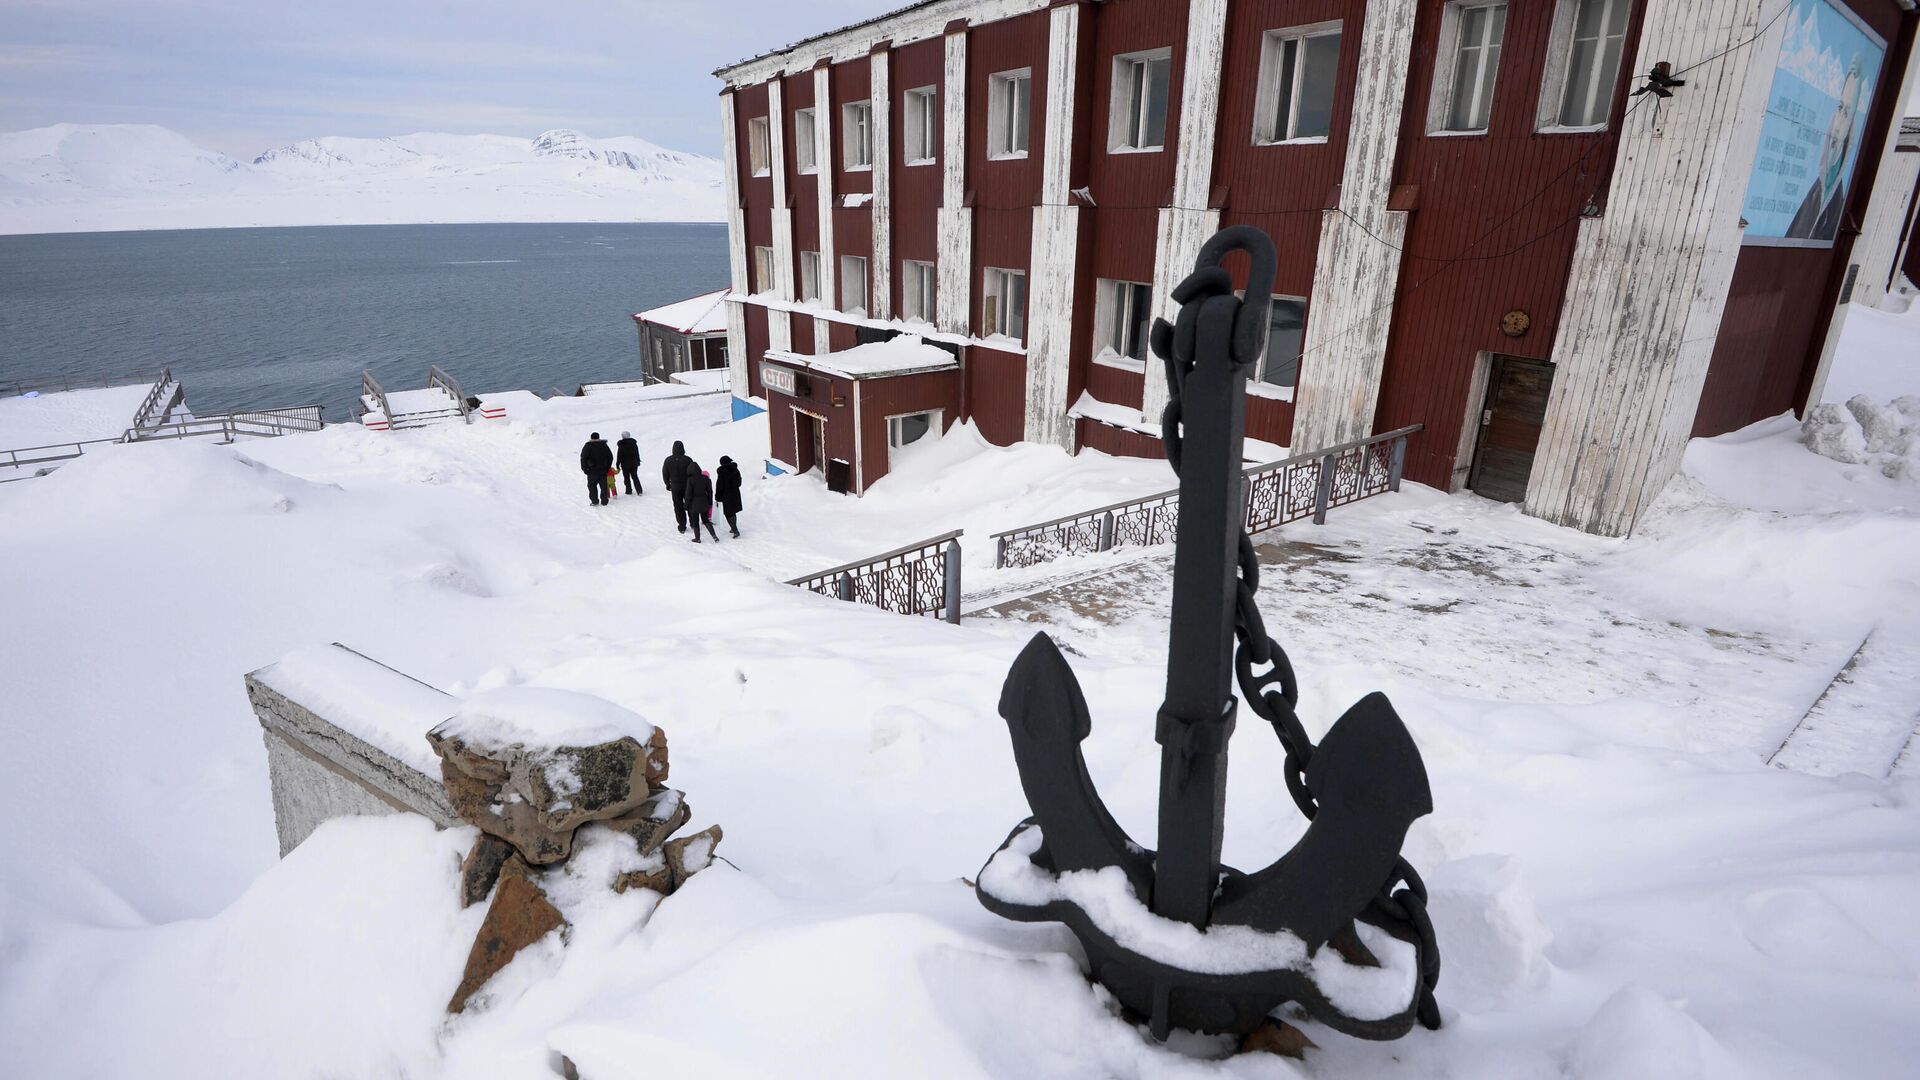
(778, 379)
(1816, 118)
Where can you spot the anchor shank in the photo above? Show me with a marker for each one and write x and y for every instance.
(1198, 713)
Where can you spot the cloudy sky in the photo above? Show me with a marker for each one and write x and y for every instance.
(241, 76)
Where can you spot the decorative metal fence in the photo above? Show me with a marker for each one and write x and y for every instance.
(1275, 493)
(919, 579)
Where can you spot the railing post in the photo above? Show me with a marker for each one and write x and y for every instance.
(999, 552)
(1324, 494)
(1246, 504)
(1106, 531)
(1398, 463)
(843, 588)
(952, 584)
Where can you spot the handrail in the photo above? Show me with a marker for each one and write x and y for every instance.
(370, 387)
(1274, 493)
(16, 462)
(437, 376)
(143, 416)
(918, 579)
(871, 559)
(14, 387)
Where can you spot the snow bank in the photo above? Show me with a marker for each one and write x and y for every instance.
(68, 415)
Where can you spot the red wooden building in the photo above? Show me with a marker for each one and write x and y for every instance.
(1482, 228)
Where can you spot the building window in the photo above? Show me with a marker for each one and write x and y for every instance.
(1139, 117)
(917, 290)
(757, 154)
(1295, 98)
(1286, 336)
(1469, 58)
(1004, 311)
(809, 275)
(911, 428)
(856, 120)
(853, 285)
(923, 126)
(1584, 62)
(762, 269)
(804, 158)
(1009, 102)
(1123, 312)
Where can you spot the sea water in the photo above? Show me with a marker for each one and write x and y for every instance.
(261, 318)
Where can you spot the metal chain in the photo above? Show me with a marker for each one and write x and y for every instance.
(1273, 693)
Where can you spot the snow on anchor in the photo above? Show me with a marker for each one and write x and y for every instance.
(1337, 924)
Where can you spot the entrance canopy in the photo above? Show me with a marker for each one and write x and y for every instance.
(907, 354)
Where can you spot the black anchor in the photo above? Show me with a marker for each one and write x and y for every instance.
(1361, 787)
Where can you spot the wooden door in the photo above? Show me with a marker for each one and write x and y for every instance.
(1510, 427)
(807, 442)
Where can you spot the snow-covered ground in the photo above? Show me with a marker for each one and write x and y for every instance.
(1622, 887)
(68, 415)
(93, 177)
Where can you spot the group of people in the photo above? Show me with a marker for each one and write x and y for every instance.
(695, 491)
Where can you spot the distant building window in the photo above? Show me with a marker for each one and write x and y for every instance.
(923, 126)
(762, 269)
(1469, 59)
(1009, 101)
(856, 120)
(902, 430)
(917, 290)
(1004, 309)
(1584, 62)
(804, 157)
(1124, 311)
(1139, 116)
(809, 275)
(1286, 336)
(1295, 98)
(757, 154)
(853, 285)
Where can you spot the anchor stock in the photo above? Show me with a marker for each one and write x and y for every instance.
(1286, 929)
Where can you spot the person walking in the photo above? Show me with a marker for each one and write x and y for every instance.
(726, 491)
(596, 460)
(627, 456)
(700, 501)
(674, 472)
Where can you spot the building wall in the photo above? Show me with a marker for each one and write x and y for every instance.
(881, 398)
(1764, 363)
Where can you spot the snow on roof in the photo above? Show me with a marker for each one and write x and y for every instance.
(703, 314)
(907, 354)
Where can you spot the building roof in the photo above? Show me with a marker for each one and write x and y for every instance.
(703, 314)
(913, 22)
(907, 354)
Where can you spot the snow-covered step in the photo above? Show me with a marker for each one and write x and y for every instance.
(1865, 720)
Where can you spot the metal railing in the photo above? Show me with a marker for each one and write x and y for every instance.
(158, 399)
(259, 423)
(42, 455)
(919, 579)
(437, 376)
(13, 387)
(1275, 493)
(370, 388)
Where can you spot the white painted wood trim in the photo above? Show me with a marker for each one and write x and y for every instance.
(1178, 236)
(779, 327)
(955, 221)
(824, 122)
(736, 245)
(1356, 274)
(1056, 235)
(1649, 280)
(823, 315)
(1470, 422)
(1199, 103)
(917, 23)
(880, 269)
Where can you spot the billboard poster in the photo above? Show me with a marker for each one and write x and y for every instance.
(1816, 116)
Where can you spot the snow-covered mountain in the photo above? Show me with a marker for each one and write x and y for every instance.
(94, 177)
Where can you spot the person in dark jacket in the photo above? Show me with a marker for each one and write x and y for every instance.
(596, 460)
(726, 491)
(628, 456)
(700, 501)
(674, 472)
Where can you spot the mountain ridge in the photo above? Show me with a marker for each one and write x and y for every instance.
(101, 177)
